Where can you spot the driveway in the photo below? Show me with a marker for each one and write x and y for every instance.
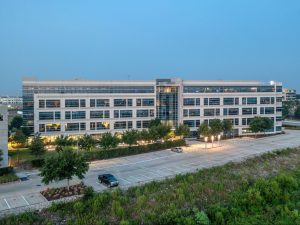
(139, 169)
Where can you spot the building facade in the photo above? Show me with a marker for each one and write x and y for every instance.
(3, 135)
(12, 101)
(289, 94)
(76, 107)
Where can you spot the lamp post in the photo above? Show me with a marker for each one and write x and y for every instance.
(219, 138)
(212, 141)
(205, 139)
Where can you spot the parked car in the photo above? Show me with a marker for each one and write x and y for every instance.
(177, 149)
(108, 179)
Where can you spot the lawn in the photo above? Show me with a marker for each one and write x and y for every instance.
(8, 178)
(261, 190)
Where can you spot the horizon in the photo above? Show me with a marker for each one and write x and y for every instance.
(143, 41)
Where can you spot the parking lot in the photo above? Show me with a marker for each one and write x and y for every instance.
(139, 169)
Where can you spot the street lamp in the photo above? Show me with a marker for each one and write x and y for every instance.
(212, 141)
(219, 138)
(205, 139)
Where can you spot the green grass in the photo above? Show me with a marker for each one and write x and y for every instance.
(8, 178)
(261, 190)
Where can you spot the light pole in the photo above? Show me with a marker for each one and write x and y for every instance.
(205, 139)
(212, 141)
(219, 138)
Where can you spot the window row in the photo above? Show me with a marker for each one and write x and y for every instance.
(230, 89)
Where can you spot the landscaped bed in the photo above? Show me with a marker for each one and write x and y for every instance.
(10, 177)
(57, 193)
(262, 190)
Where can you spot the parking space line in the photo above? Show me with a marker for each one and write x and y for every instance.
(126, 181)
(25, 200)
(7, 203)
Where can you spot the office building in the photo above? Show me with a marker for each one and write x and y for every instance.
(3, 136)
(76, 107)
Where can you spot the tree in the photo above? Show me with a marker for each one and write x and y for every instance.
(297, 112)
(145, 135)
(227, 126)
(1, 157)
(182, 130)
(62, 141)
(162, 130)
(63, 165)
(204, 130)
(37, 146)
(154, 122)
(130, 137)
(19, 138)
(16, 122)
(260, 124)
(86, 142)
(216, 126)
(108, 141)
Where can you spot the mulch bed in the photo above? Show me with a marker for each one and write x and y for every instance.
(57, 193)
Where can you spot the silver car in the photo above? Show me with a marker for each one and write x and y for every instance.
(177, 149)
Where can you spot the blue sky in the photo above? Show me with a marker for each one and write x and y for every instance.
(196, 39)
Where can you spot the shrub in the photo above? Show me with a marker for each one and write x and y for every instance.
(6, 170)
(37, 162)
(88, 193)
(200, 217)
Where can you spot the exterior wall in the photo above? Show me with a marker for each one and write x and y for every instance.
(161, 90)
(3, 135)
(289, 94)
(12, 101)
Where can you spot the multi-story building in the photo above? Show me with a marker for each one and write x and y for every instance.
(76, 107)
(289, 94)
(3, 136)
(12, 101)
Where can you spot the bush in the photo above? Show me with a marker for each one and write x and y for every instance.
(6, 170)
(37, 162)
(133, 150)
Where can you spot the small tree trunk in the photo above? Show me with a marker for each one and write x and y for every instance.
(68, 181)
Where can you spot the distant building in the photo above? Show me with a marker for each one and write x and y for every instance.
(289, 94)
(77, 107)
(12, 101)
(3, 135)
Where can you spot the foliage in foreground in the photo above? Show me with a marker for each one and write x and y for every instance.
(244, 193)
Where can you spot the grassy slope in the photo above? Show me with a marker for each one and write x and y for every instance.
(172, 201)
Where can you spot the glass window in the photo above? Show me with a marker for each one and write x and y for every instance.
(142, 113)
(41, 104)
(228, 101)
(92, 125)
(209, 112)
(99, 114)
(57, 115)
(72, 127)
(214, 101)
(247, 111)
(129, 102)
(138, 102)
(151, 112)
(252, 101)
(205, 101)
(185, 113)
(53, 127)
(102, 102)
(78, 115)
(116, 114)
(148, 102)
(237, 101)
(269, 110)
(188, 101)
(92, 102)
(139, 124)
(278, 109)
(119, 102)
(102, 125)
(82, 126)
(194, 112)
(125, 113)
(50, 103)
(146, 123)
(71, 103)
(46, 116)
(82, 103)
(120, 125)
(67, 115)
(189, 123)
(42, 128)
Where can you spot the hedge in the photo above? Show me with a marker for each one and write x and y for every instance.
(134, 150)
(6, 170)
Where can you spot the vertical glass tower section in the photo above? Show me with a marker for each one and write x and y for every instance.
(167, 94)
